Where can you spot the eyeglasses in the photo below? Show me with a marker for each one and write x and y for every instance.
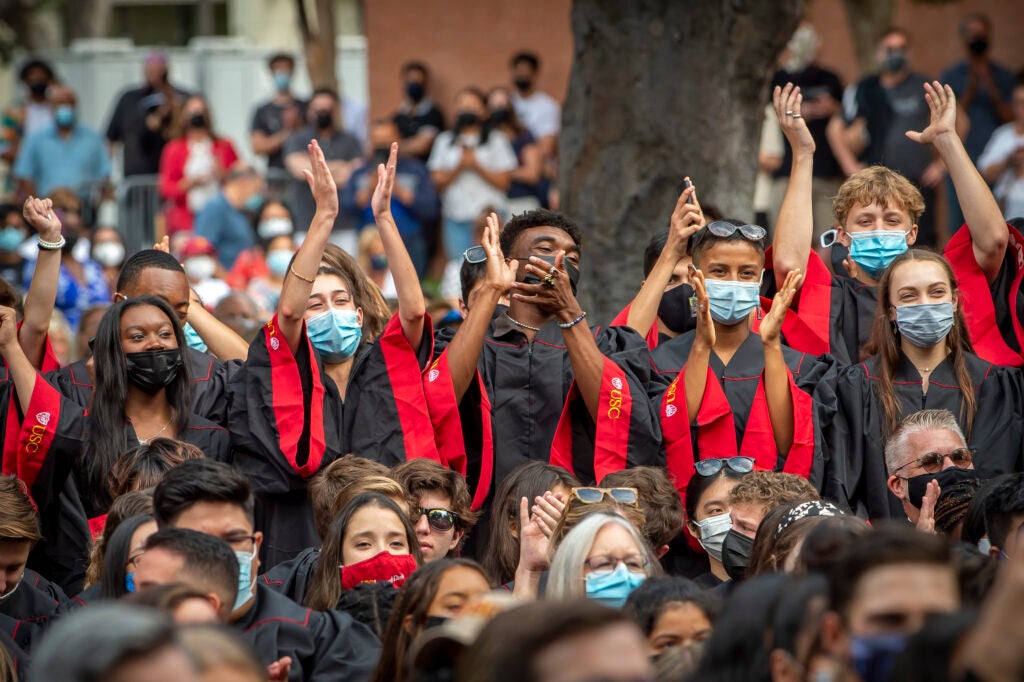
(442, 520)
(722, 228)
(635, 563)
(592, 495)
(710, 467)
(932, 462)
(235, 540)
(474, 255)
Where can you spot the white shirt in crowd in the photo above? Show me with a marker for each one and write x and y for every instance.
(539, 112)
(1009, 188)
(469, 194)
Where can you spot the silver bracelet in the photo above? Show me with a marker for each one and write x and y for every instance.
(52, 246)
(570, 325)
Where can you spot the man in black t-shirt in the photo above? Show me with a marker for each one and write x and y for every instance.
(142, 118)
(276, 119)
(419, 120)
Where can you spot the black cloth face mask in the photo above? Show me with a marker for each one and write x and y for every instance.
(736, 554)
(677, 310)
(570, 269)
(917, 486)
(152, 370)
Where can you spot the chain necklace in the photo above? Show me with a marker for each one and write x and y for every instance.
(145, 441)
(521, 324)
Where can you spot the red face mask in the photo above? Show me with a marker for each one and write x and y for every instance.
(383, 568)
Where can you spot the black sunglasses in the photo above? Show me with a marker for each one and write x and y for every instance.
(722, 228)
(474, 255)
(442, 520)
(710, 467)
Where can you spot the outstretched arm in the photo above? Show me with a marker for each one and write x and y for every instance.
(411, 307)
(21, 370)
(795, 229)
(687, 218)
(695, 377)
(989, 235)
(464, 350)
(298, 281)
(42, 292)
(776, 373)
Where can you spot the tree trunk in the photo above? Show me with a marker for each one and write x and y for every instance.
(661, 89)
(319, 42)
(868, 18)
(86, 19)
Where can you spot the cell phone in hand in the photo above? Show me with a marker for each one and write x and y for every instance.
(687, 184)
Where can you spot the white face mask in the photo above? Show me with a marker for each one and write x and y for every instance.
(108, 254)
(199, 268)
(713, 530)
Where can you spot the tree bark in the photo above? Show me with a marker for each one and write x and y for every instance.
(319, 42)
(661, 89)
(868, 18)
(86, 19)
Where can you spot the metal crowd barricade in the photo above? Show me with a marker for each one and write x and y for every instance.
(139, 211)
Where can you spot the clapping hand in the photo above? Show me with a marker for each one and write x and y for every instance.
(500, 275)
(705, 323)
(321, 182)
(771, 325)
(381, 201)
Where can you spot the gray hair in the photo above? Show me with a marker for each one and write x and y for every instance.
(925, 420)
(90, 644)
(565, 579)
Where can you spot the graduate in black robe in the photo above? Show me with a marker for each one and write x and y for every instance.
(314, 389)
(873, 208)
(546, 385)
(922, 360)
(65, 453)
(731, 387)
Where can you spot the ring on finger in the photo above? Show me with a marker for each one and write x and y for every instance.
(548, 280)
(789, 112)
(797, 115)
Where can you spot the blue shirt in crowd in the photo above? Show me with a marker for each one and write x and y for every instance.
(74, 297)
(51, 161)
(982, 112)
(227, 228)
(410, 173)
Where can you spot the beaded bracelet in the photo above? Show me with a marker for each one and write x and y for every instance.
(52, 246)
(570, 325)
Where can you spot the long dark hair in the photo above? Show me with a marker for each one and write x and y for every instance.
(119, 546)
(325, 586)
(885, 343)
(107, 439)
(413, 601)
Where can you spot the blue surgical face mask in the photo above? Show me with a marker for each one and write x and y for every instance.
(731, 301)
(875, 656)
(984, 545)
(10, 239)
(193, 339)
(335, 333)
(875, 249)
(254, 202)
(278, 260)
(129, 582)
(282, 80)
(611, 588)
(245, 560)
(925, 324)
(64, 115)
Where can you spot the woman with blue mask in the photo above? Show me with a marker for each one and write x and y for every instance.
(919, 357)
(122, 550)
(260, 269)
(603, 558)
(732, 387)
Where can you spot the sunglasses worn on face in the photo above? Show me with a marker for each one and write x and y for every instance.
(474, 255)
(710, 467)
(592, 495)
(721, 228)
(442, 520)
(932, 462)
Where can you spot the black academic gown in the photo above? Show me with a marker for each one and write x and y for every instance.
(325, 646)
(856, 475)
(53, 437)
(733, 419)
(535, 411)
(210, 379)
(31, 609)
(291, 577)
(287, 422)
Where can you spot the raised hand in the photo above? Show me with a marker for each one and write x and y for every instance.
(39, 214)
(533, 541)
(381, 201)
(9, 327)
(705, 323)
(555, 298)
(321, 182)
(547, 510)
(279, 670)
(771, 325)
(500, 275)
(687, 218)
(787, 102)
(926, 521)
(163, 245)
(942, 105)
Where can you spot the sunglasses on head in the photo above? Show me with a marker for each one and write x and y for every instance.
(592, 495)
(722, 228)
(474, 255)
(710, 467)
(442, 520)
